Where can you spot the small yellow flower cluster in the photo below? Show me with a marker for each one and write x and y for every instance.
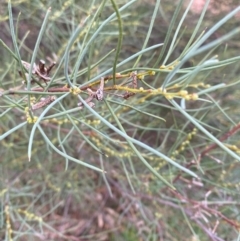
(29, 215)
(201, 84)
(64, 121)
(141, 76)
(224, 175)
(150, 72)
(233, 148)
(75, 90)
(184, 94)
(52, 186)
(59, 122)
(93, 122)
(32, 100)
(153, 91)
(111, 151)
(182, 147)
(8, 224)
(170, 67)
(58, 14)
(161, 163)
(30, 119)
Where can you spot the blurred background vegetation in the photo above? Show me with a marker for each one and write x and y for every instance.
(54, 198)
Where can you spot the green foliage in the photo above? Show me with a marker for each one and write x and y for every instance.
(118, 122)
